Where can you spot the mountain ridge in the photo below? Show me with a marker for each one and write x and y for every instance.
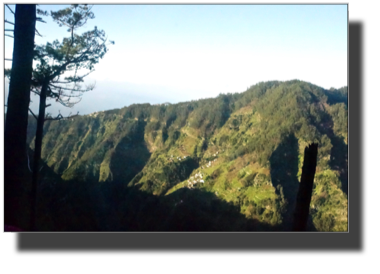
(246, 146)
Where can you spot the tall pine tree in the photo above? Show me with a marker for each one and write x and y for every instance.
(15, 161)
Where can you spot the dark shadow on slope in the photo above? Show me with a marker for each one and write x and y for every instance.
(84, 206)
(184, 210)
(129, 157)
(339, 160)
(283, 171)
(87, 206)
(178, 172)
(339, 151)
(159, 179)
(62, 205)
(71, 206)
(336, 96)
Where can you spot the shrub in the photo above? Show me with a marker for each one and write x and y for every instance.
(249, 180)
(216, 173)
(223, 140)
(241, 174)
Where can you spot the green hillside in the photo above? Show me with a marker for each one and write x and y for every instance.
(227, 163)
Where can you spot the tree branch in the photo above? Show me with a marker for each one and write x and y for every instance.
(39, 19)
(34, 115)
(68, 62)
(6, 21)
(38, 33)
(75, 79)
(10, 9)
(36, 91)
(9, 35)
(60, 117)
(71, 89)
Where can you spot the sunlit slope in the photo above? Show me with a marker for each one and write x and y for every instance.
(246, 149)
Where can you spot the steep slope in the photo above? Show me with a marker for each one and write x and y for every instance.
(245, 149)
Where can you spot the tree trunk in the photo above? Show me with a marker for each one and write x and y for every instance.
(37, 153)
(305, 188)
(15, 161)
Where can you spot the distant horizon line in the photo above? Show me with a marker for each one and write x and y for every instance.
(165, 103)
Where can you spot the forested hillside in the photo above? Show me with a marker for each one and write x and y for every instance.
(227, 163)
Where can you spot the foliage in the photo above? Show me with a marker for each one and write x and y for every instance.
(339, 116)
(73, 55)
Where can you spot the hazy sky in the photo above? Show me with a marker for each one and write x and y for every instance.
(173, 53)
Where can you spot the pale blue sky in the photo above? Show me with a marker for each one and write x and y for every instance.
(173, 53)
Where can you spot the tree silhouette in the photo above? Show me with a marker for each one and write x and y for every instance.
(15, 164)
(72, 59)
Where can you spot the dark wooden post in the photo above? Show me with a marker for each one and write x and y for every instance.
(305, 189)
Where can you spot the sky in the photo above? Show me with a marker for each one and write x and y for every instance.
(176, 53)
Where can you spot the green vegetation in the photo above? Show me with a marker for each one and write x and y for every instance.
(237, 157)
